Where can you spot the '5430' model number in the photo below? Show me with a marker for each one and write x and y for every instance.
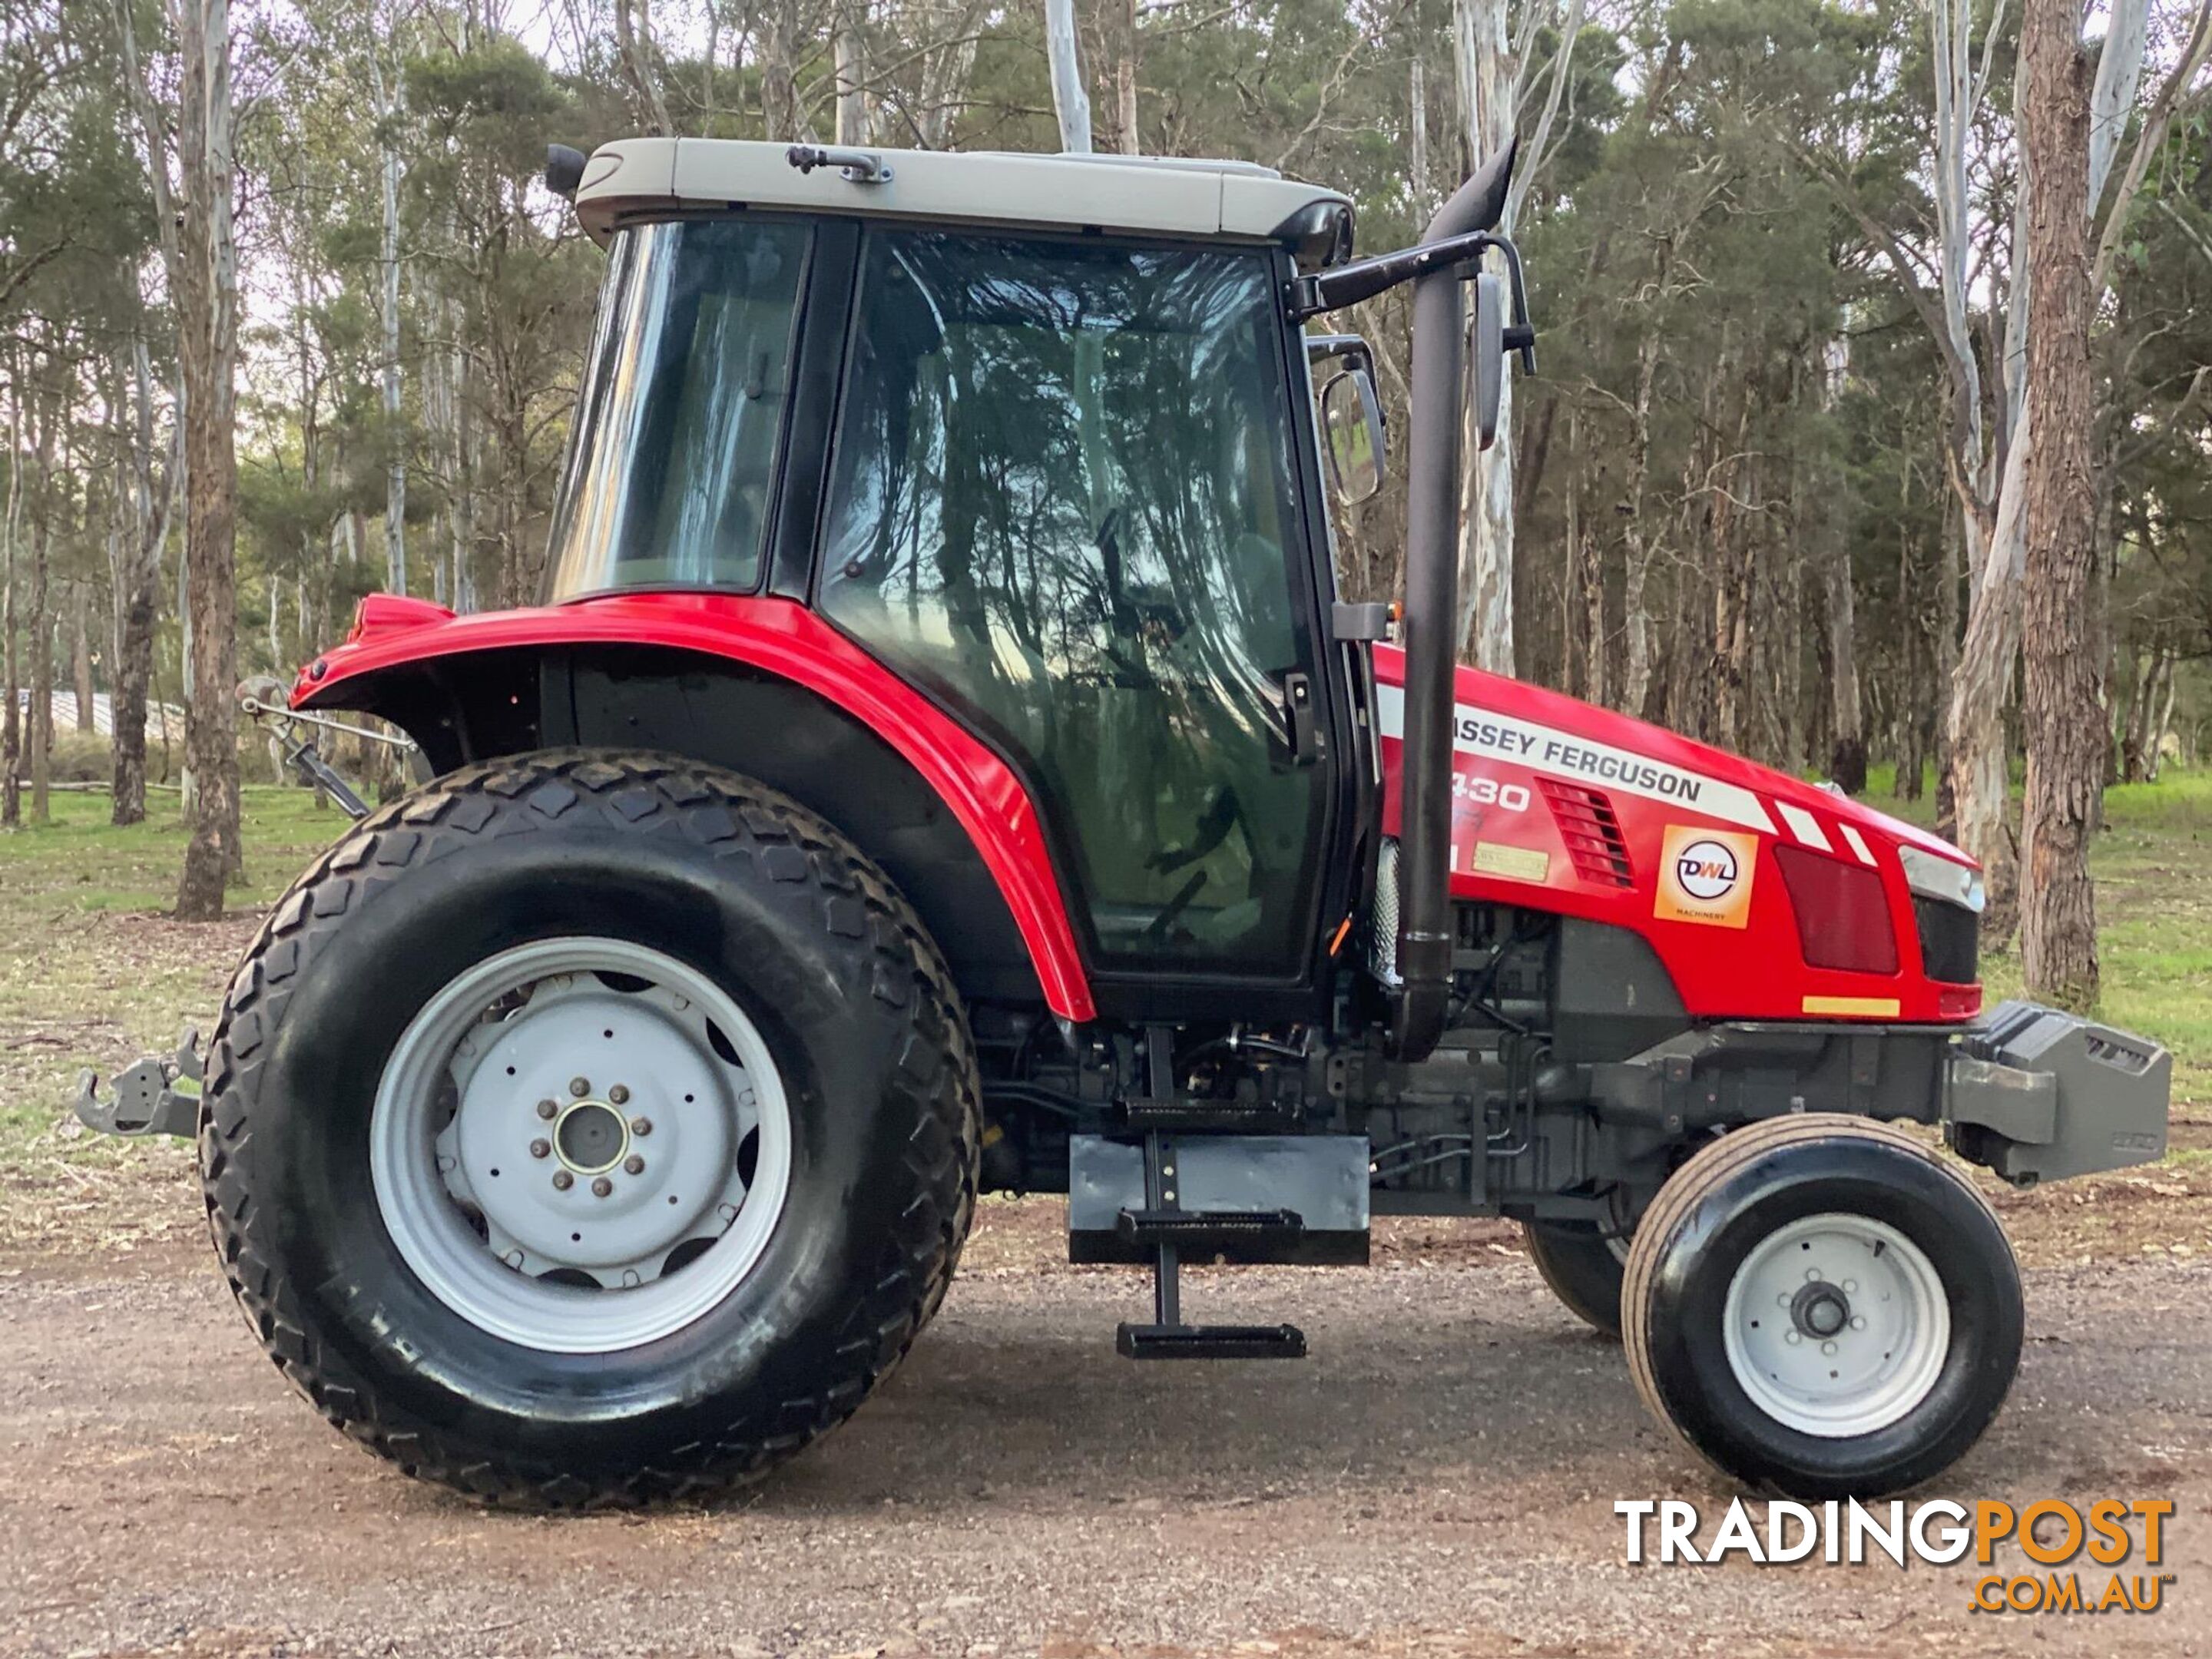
(1488, 792)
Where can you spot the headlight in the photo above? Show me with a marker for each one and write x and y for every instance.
(1930, 875)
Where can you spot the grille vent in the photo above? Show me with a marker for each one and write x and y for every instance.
(1592, 833)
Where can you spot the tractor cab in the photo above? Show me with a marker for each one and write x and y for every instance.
(940, 764)
(1037, 435)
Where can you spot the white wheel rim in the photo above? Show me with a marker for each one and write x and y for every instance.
(631, 1210)
(1837, 1325)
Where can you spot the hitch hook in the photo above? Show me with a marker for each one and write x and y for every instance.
(158, 1095)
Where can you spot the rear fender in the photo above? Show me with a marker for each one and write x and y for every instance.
(761, 686)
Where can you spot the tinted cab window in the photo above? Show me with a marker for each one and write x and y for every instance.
(672, 464)
(1061, 499)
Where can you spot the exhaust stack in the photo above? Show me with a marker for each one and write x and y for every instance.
(1430, 625)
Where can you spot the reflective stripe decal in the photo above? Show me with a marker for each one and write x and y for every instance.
(1870, 1007)
(1857, 843)
(1564, 755)
(1803, 825)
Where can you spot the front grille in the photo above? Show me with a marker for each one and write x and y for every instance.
(1950, 941)
(1592, 833)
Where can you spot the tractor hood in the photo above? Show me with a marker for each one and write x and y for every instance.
(1553, 734)
(1714, 859)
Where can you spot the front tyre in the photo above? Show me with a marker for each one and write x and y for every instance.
(590, 1128)
(1820, 1308)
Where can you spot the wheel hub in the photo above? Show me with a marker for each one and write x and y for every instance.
(1819, 1310)
(1837, 1325)
(580, 1145)
(590, 1137)
(621, 1216)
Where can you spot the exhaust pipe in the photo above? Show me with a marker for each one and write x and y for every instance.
(1430, 624)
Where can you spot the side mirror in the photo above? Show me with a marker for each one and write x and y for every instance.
(564, 170)
(1489, 355)
(1352, 435)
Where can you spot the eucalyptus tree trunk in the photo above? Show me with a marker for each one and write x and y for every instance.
(11, 722)
(1847, 753)
(1993, 482)
(2063, 701)
(781, 115)
(40, 732)
(1489, 77)
(1490, 55)
(1126, 136)
(634, 51)
(81, 656)
(387, 103)
(206, 300)
(847, 48)
(950, 27)
(1071, 103)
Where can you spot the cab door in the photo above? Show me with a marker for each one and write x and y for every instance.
(1062, 499)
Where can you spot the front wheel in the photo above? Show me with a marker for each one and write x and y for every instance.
(590, 1128)
(1821, 1308)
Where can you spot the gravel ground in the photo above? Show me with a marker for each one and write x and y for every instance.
(1437, 1478)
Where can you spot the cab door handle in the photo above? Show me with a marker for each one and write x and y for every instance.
(1299, 718)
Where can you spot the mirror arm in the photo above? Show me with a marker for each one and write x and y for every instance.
(1332, 290)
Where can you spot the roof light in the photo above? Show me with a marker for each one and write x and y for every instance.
(1930, 875)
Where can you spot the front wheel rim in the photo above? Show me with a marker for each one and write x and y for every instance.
(640, 1201)
(1837, 1325)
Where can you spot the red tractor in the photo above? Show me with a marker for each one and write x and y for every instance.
(941, 765)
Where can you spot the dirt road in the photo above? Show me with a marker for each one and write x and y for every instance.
(1438, 1478)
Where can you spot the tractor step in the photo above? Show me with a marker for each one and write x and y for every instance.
(1209, 1341)
(1241, 1198)
(1203, 1230)
(1144, 1112)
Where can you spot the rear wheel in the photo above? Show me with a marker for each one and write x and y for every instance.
(590, 1128)
(1820, 1307)
(1584, 1267)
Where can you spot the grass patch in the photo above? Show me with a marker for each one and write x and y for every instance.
(93, 972)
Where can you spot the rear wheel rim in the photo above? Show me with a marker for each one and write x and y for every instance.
(638, 1203)
(1837, 1325)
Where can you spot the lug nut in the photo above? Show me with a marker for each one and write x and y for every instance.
(547, 1108)
(562, 1180)
(618, 1095)
(633, 1164)
(601, 1186)
(641, 1126)
(580, 1086)
(540, 1148)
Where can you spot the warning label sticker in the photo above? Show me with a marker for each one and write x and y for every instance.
(1705, 876)
(1514, 863)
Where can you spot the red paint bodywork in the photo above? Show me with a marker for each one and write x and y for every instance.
(777, 637)
(1757, 971)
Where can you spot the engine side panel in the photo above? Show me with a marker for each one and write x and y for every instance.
(1560, 806)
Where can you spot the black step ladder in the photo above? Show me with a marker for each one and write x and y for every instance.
(1168, 1230)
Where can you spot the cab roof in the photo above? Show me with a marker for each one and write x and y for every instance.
(1168, 196)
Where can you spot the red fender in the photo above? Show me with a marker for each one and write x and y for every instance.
(786, 639)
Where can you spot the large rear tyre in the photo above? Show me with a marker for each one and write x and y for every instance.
(1820, 1308)
(590, 1128)
(1584, 1267)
